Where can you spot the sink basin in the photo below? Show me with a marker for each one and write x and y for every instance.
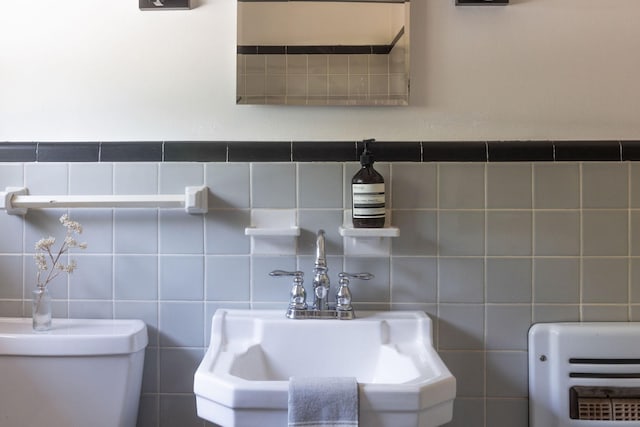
(243, 378)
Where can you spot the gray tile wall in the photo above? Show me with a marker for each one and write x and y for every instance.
(485, 249)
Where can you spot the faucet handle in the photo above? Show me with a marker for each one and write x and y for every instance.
(298, 295)
(343, 295)
(282, 273)
(361, 276)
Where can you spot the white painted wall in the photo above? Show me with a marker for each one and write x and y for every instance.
(318, 22)
(90, 70)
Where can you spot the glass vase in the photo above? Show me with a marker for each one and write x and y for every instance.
(41, 309)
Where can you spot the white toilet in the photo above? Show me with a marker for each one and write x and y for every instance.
(80, 373)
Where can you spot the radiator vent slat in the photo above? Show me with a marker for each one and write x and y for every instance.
(603, 375)
(592, 361)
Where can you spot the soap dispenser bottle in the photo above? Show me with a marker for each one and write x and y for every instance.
(367, 193)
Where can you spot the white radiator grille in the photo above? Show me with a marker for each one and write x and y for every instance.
(584, 374)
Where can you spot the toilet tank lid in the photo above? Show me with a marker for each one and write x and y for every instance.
(72, 337)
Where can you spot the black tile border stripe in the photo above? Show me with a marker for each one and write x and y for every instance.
(319, 151)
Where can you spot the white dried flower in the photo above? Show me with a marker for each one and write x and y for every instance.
(44, 253)
(44, 244)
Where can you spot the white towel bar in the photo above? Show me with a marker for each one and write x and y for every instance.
(17, 200)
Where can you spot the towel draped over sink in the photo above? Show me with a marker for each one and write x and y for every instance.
(323, 402)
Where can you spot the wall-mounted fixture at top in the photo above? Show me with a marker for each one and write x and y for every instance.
(481, 2)
(164, 4)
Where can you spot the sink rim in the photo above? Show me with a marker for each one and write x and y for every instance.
(213, 380)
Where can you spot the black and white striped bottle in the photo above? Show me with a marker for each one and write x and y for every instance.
(368, 193)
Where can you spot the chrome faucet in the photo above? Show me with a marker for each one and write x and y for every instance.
(342, 309)
(320, 276)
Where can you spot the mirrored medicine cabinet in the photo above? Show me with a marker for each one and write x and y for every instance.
(316, 52)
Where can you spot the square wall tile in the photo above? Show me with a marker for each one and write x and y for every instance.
(135, 231)
(461, 280)
(556, 185)
(413, 279)
(228, 184)
(557, 280)
(605, 185)
(228, 278)
(507, 374)
(605, 280)
(509, 280)
(507, 412)
(181, 324)
(265, 177)
(418, 233)
(605, 233)
(181, 233)
(178, 410)
(11, 175)
(93, 279)
(273, 289)
(177, 366)
(224, 232)
(557, 233)
(509, 233)
(90, 178)
(461, 233)
(507, 326)
(468, 368)
(461, 185)
(182, 278)
(461, 327)
(135, 178)
(320, 185)
(374, 290)
(97, 230)
(46, 178)
(174, 177)
(509, 185)
(135, 277)
(414, 185)
(468, 413)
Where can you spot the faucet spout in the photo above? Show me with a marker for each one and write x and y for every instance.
(320, 276)
(321, 259)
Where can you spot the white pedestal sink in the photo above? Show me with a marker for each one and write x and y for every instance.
(243, 378)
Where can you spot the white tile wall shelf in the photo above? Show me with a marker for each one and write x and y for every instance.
(273, 231)
(17, 201)
(367, 241)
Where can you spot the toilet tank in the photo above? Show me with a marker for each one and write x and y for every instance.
(83, 372)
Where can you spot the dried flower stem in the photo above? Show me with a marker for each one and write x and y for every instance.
(44, 253)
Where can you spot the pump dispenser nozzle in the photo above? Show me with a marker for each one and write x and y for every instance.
(366, 158)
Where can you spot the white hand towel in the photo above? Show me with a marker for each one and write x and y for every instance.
(323, 402)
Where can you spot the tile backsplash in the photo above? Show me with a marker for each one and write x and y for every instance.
(485, 248)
